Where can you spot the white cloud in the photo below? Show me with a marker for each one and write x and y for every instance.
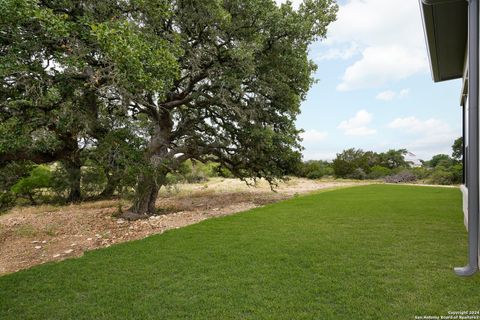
(413, 124)
(312, 136)
(430, 135)
(358, 125)
(390, 37)
(403, 93)
(327, 155)
(376, 22)
(389, 95)
(386, 95)
(339, 53)
(380, 65)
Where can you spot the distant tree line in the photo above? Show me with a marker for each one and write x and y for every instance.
(391, 166)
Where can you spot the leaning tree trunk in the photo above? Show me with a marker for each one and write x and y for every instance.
(73, 167)
(146, 195)
(152, 179)
(112, 184)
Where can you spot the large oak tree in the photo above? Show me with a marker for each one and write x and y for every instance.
(243, 72)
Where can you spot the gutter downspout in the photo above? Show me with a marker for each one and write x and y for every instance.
(473, 143)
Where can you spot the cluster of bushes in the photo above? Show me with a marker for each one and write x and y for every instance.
(390, 166)
(315, 169)
(196, 172)
(356, 164)
(27, 183)
(444, 170)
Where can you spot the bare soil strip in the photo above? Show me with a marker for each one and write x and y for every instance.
(35, 235)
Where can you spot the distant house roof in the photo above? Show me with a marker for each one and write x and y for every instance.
(446, 25)
(412, 158)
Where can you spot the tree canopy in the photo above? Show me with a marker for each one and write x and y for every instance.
(457, 149)
(355, 163)
(162, 81)
(60, 60)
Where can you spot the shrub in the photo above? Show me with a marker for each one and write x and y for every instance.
(457, 171)
(317, 174)
(442, 176)
(224, 172)
(210, 169)
(193, 172)
(196, 172)
(346, 162)
(401, 177)
(421, 172)
(196, 176)
(60, 182)
(9, 175)
(358, 174)
(7, 200)
(378, 172)
(40, 177)
(315, 169)
(93, 180)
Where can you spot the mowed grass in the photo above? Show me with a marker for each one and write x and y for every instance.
(370, 252)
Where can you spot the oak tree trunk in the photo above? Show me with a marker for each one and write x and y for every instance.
(73, 167)
(146, 195)
(112, 184)
(154, 178)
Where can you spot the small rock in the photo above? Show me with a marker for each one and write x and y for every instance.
(56, 255)
(89, 239)
(120, 221)
(68, 251)
(38, 247)
(35, 241)
(73, 245)
(98, 236)
(44, 241)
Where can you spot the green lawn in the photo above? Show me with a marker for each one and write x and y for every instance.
(371, 252)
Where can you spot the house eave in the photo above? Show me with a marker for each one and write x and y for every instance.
(445, 25)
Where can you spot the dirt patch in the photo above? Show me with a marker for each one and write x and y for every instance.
(35, 235)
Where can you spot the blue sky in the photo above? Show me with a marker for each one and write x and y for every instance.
(374, 88)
